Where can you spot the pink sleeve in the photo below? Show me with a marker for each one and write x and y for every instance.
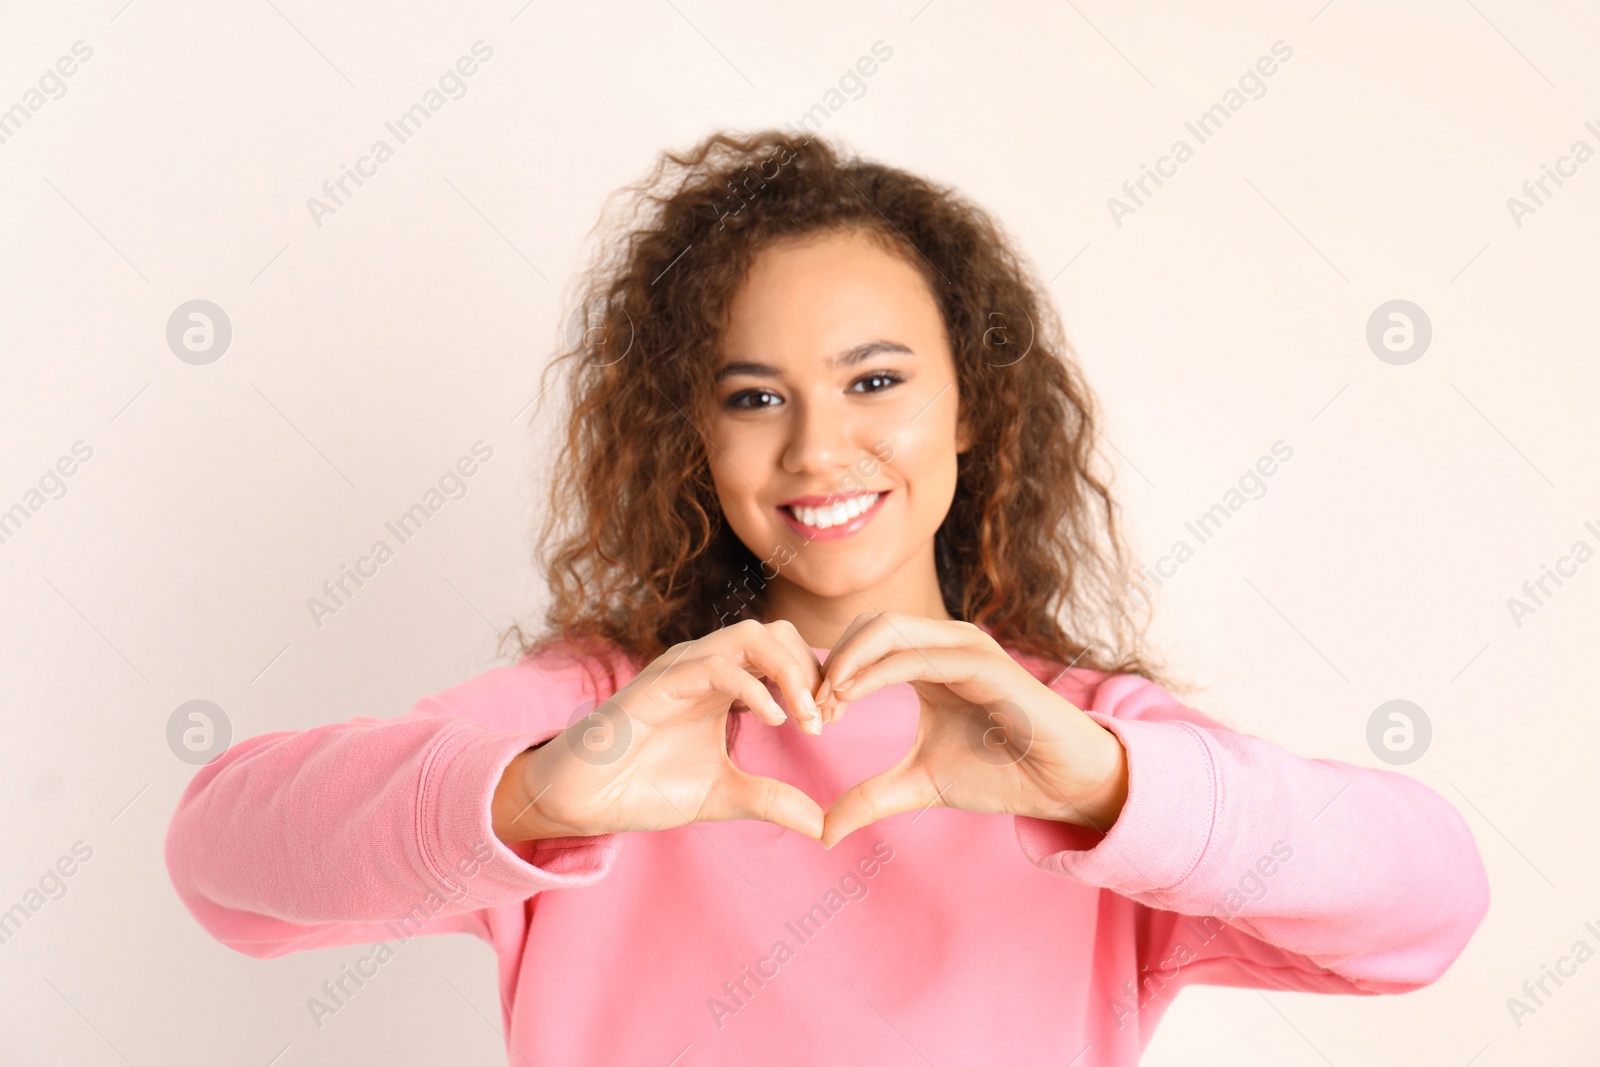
(364, 830)
(1313, 875)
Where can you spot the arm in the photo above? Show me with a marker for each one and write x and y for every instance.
(368, 829)
(1313, 875)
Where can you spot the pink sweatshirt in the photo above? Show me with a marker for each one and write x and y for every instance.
(938, 936)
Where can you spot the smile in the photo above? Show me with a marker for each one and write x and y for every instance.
(819, 520)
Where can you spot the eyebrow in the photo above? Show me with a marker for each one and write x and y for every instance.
(848, 358)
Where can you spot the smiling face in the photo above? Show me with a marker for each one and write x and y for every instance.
(835, 433)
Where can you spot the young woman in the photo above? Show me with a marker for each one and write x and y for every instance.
(829, 468)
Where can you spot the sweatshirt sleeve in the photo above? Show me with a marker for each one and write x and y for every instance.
(1254, 866)
(373, 829)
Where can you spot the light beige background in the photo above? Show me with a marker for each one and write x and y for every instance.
(368, 353)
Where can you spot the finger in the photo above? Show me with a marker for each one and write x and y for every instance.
(896, 790)
(729, 679)
(957, 668)
(872, 638)
(738, 795)
(758, 649)
(832, 707)
(788, 635)
(855, 625)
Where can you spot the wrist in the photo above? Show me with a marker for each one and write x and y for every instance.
(1099, 806)
(512, 810)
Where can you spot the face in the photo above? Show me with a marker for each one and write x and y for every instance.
(835, 433)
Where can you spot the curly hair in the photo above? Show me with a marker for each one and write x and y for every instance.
(635, 544)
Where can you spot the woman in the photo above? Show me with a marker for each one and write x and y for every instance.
(829, 467)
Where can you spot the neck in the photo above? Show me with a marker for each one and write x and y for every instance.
(822, 619)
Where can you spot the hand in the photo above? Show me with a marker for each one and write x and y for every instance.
(654, 756)
(990, 736)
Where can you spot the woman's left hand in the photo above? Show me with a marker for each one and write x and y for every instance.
(990, 736)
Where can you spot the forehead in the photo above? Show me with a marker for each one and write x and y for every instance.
(829, 292)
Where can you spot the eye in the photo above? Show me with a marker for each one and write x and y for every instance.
(886, 379)
(752, 399)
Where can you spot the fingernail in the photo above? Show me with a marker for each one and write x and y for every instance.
(827, 687)
(808, 705)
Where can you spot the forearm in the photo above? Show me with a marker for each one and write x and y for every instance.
(1364, 871)
(350, 823)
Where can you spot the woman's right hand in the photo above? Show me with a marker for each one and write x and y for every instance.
(654, 756)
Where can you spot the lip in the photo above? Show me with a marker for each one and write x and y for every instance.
(832, 533)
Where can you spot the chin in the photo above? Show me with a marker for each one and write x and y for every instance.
(837, 579)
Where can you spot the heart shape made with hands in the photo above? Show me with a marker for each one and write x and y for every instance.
(990, 736)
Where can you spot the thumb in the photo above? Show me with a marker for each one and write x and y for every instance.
(739, 795)
(899, 789)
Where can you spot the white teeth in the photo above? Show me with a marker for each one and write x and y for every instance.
(836, 515)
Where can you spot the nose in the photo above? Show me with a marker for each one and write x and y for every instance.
(822, 437)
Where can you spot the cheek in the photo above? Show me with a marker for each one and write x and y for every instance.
(723, 475)
(737, 461)
(733, 494)
(924, 456)
(723, 441)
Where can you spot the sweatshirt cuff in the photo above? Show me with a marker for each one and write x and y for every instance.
(459, 845)
(1165, 824)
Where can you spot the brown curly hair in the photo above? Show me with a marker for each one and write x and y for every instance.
(635, 545)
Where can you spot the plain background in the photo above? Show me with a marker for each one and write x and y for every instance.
(1229, 312)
